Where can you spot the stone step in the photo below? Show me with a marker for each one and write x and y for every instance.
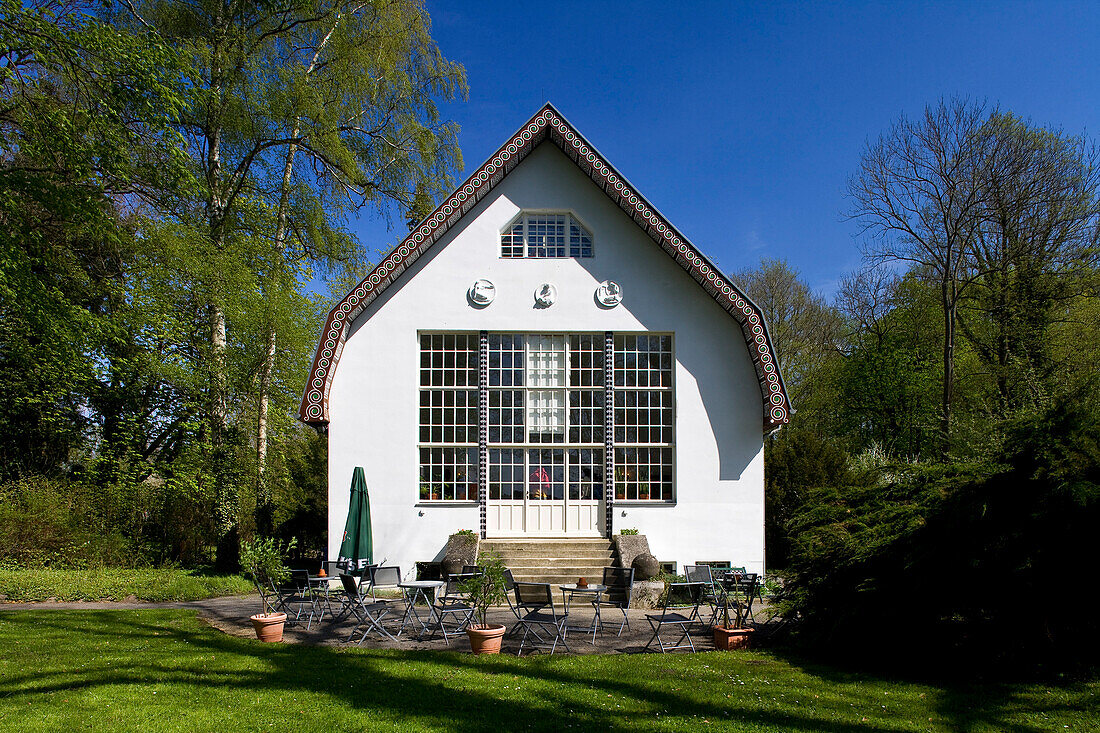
(553, 560)
(557, 579)
(558, 561)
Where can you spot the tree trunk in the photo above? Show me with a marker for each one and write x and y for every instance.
(949, 305)
(265, 506)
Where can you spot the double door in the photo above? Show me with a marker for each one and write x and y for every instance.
(545, 492)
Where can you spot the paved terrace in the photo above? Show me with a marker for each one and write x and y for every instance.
(230, 615)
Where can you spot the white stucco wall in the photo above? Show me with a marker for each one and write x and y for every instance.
(719, 512)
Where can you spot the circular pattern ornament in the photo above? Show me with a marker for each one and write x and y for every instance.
(482, 292)
(609, 294)
(545, 295)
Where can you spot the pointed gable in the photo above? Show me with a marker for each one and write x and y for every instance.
(548, 126)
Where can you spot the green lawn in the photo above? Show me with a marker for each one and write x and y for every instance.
(116, 584)
(164, 670)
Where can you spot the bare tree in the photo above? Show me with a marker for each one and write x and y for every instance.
(803, 327)
(918, 195)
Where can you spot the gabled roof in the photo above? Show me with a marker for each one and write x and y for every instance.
(547, 125)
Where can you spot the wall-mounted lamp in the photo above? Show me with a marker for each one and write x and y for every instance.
(420, 513)
(624, 512)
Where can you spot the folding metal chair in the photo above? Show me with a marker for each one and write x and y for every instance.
(292, 596)
(454, 603)
(509, 591)
(381, 577)
(369, 614)
(679, 598)
(620, 587)
(712, 592)
(536, 603)
(747, 588)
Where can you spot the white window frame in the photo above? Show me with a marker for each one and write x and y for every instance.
(523, 218)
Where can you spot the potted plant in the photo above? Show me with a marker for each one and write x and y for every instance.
(484, 590)
(729, 635)
(262, 559)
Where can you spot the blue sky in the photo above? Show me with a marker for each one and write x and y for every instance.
(741, 122)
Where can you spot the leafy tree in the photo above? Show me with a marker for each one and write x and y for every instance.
(918, 194)
(86, 113)
(1033, 252)
(351, 87)
(803, 327)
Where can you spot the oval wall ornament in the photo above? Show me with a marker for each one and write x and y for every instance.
(609, 294)
(482, 292)
(545, 295)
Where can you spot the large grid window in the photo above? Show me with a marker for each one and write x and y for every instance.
(545, 390)
(644, 417)
(546, 236)
(546, 417)
(448, 417)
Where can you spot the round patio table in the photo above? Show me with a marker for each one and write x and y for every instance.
(570, 589)
(417, 589)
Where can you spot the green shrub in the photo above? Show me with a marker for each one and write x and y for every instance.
(958, 561)
(58, 523)
(630, 531)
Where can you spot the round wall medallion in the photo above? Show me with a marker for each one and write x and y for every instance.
(545, 295)
(482, 292)
(609, 293)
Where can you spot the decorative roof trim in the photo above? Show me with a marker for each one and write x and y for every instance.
(547, 124)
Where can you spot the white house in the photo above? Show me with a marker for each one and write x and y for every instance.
(547, 356)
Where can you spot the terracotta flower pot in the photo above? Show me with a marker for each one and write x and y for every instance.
(727, 639)
(485, 639)
(269, 626)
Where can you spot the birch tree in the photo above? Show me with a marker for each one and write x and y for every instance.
(351, 87)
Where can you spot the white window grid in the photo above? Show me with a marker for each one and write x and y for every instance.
(448, 418)
(448, 360)
(643, 360)
(448, 473)
(585, 473)
(541, 236)
(644, 417)
(567, 416)
(505, 420)
(546, 474)
(570, 416)
(643, 473)
(507, 360)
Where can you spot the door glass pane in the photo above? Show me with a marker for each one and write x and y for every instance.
(546, 474)
(585, 474)
(506, 474)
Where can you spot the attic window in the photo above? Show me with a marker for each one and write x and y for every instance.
(542, 236)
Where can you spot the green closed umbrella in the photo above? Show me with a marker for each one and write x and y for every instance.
(357, 547)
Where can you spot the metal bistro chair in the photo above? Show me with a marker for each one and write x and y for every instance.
(678, 599)
(376, 577)
(368, 614)
(455, 604)
(509, 590)
(712, 590)
(539, 619)
(620, 587)
(281, 599)
(296, 592)
(747, 588)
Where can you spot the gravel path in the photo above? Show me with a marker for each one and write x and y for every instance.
(229, 614)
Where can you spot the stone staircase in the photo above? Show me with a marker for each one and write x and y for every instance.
(555, 561)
